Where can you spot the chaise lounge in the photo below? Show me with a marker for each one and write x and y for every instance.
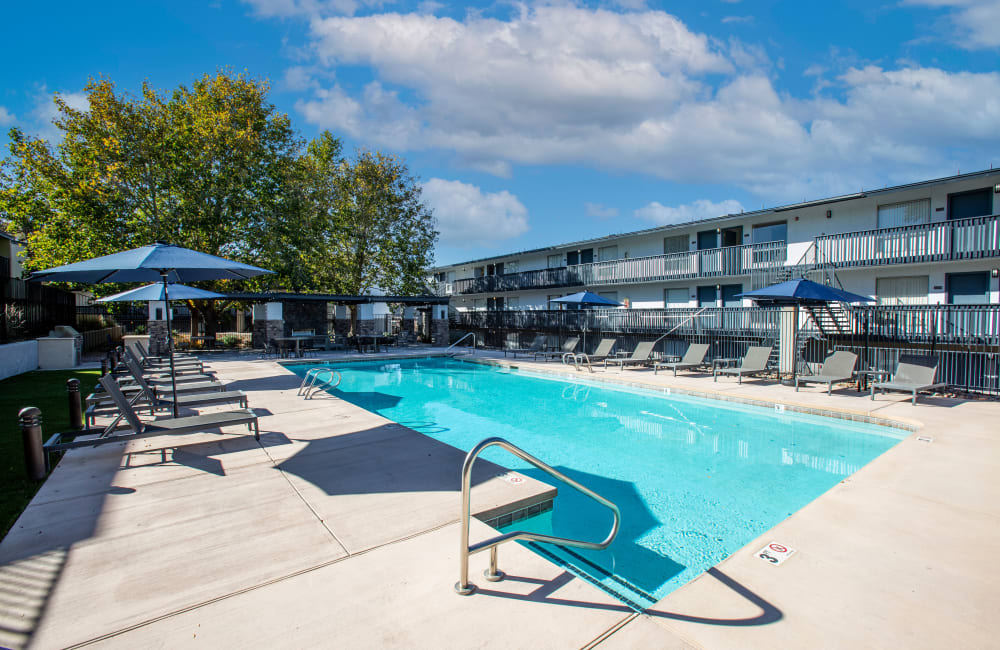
(837, 367)
(914, 374)
(567, 347)
(694, 357)
(639, 356)
(754, 363)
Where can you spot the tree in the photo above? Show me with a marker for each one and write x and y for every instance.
(205, 168)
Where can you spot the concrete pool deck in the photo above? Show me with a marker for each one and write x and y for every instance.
(339, 528)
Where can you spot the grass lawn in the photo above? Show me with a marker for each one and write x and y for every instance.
(45, 389)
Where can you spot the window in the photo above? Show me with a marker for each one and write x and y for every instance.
(708, 239)
(906, 213)
(552, 305)
(908, 290)
(607, 253)
(586, 256)
(674, 298)
(675, 244)
(479, 271)
(610, 295)
(965, 205)
(555, 261)
(765, 232)
(513, 303)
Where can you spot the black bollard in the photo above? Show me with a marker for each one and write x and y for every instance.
(75, 410)
(31, 437)
(104, 367)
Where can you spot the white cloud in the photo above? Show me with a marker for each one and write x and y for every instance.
(974, 22)
(599, 211)
(737, 19)
(699, 209)
(45, 110)
(640, 93)
(467, 216)
(292, 8)
(6, 117)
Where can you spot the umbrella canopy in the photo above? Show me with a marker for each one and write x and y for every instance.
(153, 292)
(148, 264)
(802, 292)
(159, 261)
(586, 298)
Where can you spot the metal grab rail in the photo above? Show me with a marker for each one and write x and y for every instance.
(463, 586)
(311, 383)
(468, 334)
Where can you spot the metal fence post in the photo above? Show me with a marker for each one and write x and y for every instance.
(75, 409)
(104, 367)
(31, 437)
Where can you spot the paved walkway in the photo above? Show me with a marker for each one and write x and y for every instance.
(339, 528)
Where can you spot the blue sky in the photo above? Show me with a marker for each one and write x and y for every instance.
(535, 123)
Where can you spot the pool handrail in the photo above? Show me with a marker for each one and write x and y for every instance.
(311, 383)
(467, 335)
(463, 586)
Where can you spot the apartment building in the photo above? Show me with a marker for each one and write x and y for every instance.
(926, 243)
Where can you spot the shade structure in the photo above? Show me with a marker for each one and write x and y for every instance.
(802, 292)
(159, 292)
(586, 298)
(160, 261)
(149, 264)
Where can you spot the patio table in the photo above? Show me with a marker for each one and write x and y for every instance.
(867, 376)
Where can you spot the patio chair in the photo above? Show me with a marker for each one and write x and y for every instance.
(694, 357)
(535, 346)
(188, 424)
(139, 352)
(164, 397)
(914, 374)
(754, 363)
(837, 367)
(180, 368)
(639, 357)
(568, 346)
(143, 348)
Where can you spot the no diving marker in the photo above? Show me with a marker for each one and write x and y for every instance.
(775, 553)
(512, 478)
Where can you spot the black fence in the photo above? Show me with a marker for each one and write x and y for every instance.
(30, 310)
(965, 338)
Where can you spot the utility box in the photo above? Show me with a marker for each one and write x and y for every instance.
(60, 349)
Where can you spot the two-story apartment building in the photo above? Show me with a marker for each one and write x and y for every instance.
(931, 242)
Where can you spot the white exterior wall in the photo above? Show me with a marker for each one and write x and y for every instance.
(804, 224)
(17, 358)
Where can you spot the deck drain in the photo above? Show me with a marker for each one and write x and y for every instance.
(925, 439)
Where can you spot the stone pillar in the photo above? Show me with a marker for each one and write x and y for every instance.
(268, 323)
(439, 325)
(366, 321)
(787, 327)
(342, 320)
(156, 327)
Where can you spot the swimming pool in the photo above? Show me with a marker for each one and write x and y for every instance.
(695, 479)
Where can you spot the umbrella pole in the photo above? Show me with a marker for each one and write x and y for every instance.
(170, 342)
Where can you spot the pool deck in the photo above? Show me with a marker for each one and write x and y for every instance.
(340, 529)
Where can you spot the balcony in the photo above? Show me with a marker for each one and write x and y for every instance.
(710, 263)
(944, 241)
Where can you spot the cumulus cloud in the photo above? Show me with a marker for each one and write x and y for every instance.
(45, 111)
(640, 92)
(6, 117)
(973, 22)
(467, 216)
(292, 8)
(599, 211)
(699, 209)
(737, 19)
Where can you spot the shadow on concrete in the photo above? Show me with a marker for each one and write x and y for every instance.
(543, 594)
(270, 382)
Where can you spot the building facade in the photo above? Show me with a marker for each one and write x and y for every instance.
(934, 242)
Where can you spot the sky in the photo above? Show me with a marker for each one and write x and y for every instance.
(535, 123)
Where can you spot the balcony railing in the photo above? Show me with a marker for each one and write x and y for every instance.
(940, 241)
(710, 263)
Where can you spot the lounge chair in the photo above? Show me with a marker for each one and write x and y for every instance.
(914, 373)
(753, 363)
(694, 357)
(189, 424)
(156, 369)
(837, 367)
(143, 349)
(567, 347)
(535, 346)
(639, 357)
(137, 351)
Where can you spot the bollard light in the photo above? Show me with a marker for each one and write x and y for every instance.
(31, 438)
(75, 410)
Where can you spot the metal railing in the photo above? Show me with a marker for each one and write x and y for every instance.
(493, 574)
(317, 379)
(708, 263)
(472, 334)
(958, 239)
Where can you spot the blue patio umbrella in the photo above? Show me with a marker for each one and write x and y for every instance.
(586, 299)
(801, 292)
(159, 292)
(160, 261)
(581, 300)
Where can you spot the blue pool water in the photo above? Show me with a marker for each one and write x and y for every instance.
(695, 479)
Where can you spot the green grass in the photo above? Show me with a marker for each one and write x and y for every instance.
(45, 389)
